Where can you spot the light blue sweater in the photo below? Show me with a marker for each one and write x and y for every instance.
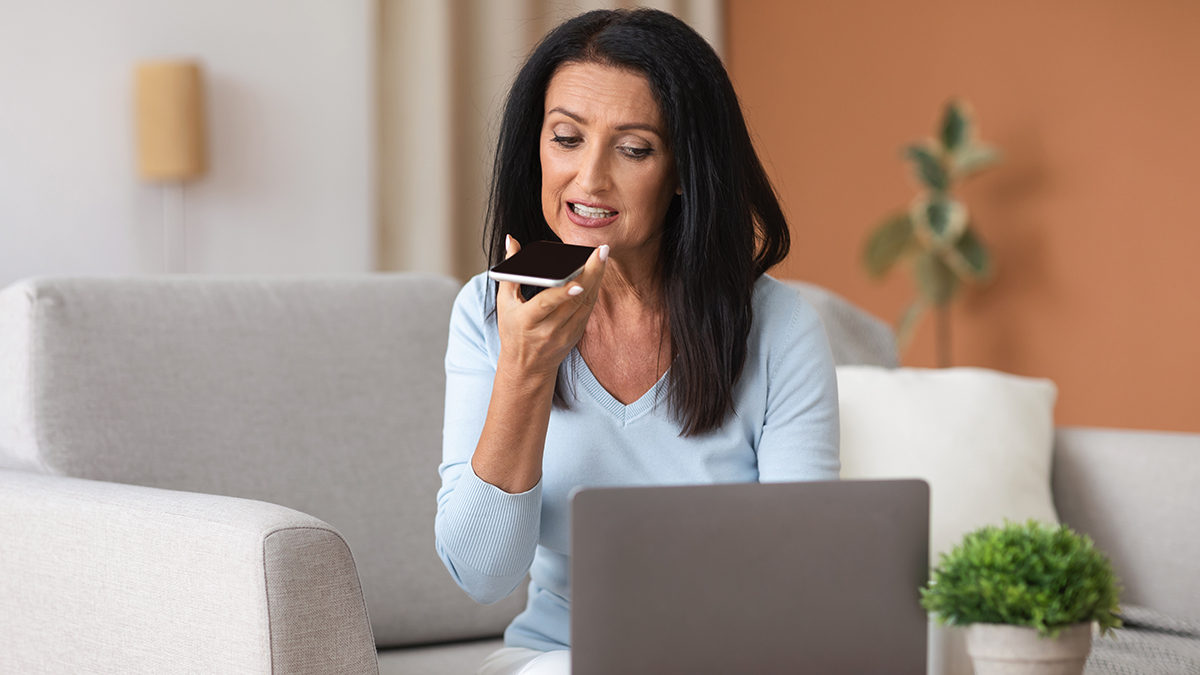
(785, 429)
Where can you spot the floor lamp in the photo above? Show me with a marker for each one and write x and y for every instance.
(170, 132)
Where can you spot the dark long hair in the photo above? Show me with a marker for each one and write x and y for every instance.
(719, 236)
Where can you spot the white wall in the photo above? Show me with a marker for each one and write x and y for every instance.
(291, 105)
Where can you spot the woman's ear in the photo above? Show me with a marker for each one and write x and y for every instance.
(678, 189)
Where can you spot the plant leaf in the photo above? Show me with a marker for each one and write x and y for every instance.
(969, 258)
(936, 282)
(938, 221)
(956, 126)
(928, 167)
(1039, 575)
(938, 215)
(907, 325)
(972, 158)
(885, 246)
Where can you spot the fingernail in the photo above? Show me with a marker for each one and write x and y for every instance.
(604, 252)
(574, 290)
(508, 242)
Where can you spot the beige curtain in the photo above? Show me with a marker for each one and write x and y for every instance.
(444, 69)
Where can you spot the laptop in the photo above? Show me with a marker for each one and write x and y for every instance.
(818, 577)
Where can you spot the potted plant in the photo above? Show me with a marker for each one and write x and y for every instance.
(936, 233)
(1029, 594)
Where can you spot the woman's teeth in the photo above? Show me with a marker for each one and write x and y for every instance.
(589, 212)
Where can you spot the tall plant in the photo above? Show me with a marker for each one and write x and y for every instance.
(935, 234)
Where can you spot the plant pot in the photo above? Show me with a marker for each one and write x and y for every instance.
(1000, 649)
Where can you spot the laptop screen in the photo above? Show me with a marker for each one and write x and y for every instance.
(750, 578)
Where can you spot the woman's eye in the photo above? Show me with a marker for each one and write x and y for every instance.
(637, 153)
(566, 141)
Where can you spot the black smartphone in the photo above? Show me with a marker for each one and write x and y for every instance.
(547, 264)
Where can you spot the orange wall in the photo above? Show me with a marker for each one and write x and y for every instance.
(1094, 217)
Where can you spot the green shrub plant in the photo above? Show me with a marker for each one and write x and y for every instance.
(1037, 575)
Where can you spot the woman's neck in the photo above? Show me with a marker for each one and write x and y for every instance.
(632, 285)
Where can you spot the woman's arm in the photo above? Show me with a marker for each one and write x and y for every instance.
(535, 336)
(800, 436)
(489, 506)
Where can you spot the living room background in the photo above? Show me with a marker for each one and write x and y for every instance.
(352, 137)
(290, 187)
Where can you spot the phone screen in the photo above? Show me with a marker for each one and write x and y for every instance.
(543, 260)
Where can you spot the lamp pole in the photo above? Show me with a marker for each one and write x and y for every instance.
(171, 140)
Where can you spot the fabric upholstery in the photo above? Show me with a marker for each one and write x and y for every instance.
(856, 337)
(318, 617)
(17, 447)
(107, 578)
(1148, 643)
(980, 438)
(1137, 495)
(462, 658)
(323, 394)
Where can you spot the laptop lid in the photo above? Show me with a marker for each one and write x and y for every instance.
(818, 577)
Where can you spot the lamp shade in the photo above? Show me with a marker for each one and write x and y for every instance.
(170, 120)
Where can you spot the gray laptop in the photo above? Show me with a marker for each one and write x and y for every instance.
(750, 578)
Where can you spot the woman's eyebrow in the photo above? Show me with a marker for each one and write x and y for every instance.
(566, 112)
(624, 127)
(640, 125)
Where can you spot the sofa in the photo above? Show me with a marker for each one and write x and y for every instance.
(238, 475)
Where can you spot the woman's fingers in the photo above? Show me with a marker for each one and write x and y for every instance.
(585, 288)
(509, 291)
(539, 332)
(555, 304)
(594, 273)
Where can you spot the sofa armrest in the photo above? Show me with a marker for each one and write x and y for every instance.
(1137, 494)
(108, 578)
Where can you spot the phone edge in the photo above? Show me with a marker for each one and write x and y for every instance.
(543, 282)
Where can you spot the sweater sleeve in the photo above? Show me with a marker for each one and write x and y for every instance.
(485, 536)
(800, 435)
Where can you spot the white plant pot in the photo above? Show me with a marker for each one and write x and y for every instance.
(1000, 649)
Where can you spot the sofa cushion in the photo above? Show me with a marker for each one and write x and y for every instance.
(980, 438)
(855, 337)
(1135, 493)
(463, 658)
(322, 394)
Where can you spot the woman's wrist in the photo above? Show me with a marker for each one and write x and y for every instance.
(521, 376)
(509, 453)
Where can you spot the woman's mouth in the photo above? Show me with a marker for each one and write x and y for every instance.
(590, 216)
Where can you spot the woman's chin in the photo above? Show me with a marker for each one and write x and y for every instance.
(580, 236)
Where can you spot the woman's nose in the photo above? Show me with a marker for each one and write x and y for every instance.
(593, 174)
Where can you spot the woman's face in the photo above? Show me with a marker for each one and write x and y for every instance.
(607, 173)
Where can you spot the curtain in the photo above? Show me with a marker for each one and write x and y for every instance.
(444, 70)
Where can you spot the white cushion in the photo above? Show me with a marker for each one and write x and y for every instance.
(980, 438)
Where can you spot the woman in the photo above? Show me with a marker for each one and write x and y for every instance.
(671, 359)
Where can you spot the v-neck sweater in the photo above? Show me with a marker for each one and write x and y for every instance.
(784, 428)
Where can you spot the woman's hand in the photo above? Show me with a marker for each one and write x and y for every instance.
(537, 334)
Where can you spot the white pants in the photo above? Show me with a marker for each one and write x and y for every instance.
(521, 661)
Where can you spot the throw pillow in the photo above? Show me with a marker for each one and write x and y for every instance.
(981, 439)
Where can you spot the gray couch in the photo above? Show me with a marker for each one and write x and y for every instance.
(237, 475)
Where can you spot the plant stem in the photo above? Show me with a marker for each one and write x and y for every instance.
(942, 321)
